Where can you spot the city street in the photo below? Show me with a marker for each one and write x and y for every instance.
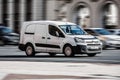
(12, 53)
(59, 26)
(15, 65)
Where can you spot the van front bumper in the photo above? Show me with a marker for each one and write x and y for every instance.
(84, 49)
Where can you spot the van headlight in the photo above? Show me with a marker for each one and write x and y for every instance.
(79, 40)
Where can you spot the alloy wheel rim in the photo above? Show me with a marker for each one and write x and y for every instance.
(29, 50)
(68, 51)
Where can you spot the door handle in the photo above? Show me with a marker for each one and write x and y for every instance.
(48, 38)
(43, 37)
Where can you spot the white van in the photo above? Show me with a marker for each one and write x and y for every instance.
(57, 37)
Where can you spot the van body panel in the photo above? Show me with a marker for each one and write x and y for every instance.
(48, 36)
(54, 44)
(29, 34)
(40, 36)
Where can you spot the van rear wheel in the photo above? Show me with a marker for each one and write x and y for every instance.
(30, 50)
(68, 51)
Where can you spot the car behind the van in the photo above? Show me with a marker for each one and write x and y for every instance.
(7, 36)
(108, 39)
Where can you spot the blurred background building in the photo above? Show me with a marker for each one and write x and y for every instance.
(87, 13)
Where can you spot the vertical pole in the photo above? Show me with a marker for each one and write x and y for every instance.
(37, 10)
(22, 12)
(10, 14)
(0, 11)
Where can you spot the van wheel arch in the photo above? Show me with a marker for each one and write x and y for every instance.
(29, 44)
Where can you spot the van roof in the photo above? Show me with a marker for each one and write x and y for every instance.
(52, 22)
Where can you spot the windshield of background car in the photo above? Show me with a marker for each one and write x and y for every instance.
(72, 29)
(103, 31)
(5, 30)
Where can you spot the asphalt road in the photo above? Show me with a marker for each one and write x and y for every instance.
(12, 53)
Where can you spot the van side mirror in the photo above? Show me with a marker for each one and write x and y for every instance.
(57, 34)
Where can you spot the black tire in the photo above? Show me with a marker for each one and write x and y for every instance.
(104, 47)
(52, 54)
(117, 47)
(29, 50)
(68, 51)
(2, 43)
(91, 54)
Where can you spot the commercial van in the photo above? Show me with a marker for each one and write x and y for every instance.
(55, 37)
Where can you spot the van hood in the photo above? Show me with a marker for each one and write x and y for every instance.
(83, 36)
(112, 37)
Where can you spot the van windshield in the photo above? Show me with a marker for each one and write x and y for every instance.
(72, 29)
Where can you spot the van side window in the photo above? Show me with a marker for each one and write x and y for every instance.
(30, 29)
(53, 30)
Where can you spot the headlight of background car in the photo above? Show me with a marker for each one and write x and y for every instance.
(105, 39)
(79, 40)
(109, 39)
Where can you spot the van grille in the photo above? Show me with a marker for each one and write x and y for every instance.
(93, 44)
(94, 49)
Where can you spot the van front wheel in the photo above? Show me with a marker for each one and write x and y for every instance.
(68, 51)
(30, 50)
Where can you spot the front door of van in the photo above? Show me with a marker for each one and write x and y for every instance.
(54, 41)
(40, 37)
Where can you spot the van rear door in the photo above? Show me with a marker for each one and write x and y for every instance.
(40, 37)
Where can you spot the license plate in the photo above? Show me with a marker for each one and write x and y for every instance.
(94, 47)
